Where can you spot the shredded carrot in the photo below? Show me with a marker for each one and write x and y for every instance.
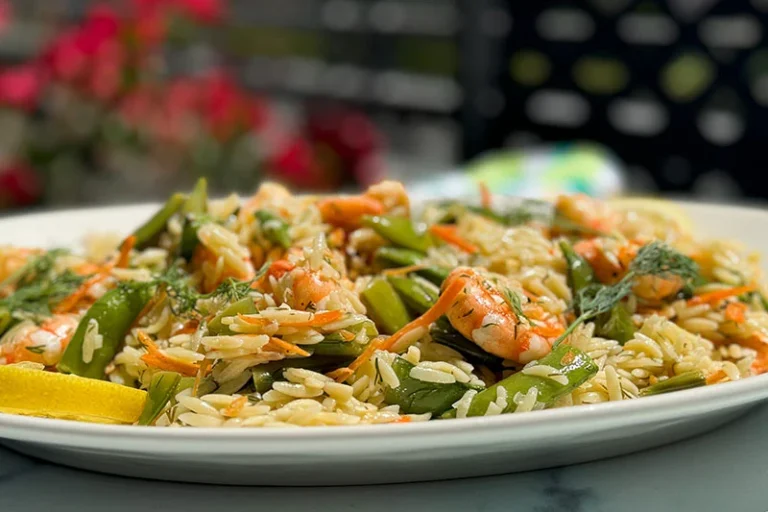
(257, 255)
(235, 407)
(125, 252)
(288, 348)
(347, 335)
(69, 303)
(759, 344)
(716, 377)
(403, 419)
(736, 312)
(430, 316)
(448, 234)
(205, 366)
(156, 359)
(486, 199)
(404, 270)
(531, 296)
(336, 237)
(316, 320)
(718, 295)
(340, 374)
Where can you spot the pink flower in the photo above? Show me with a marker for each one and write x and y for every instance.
(20, 87)
(295, 163)
(19, 185)
(203, 11)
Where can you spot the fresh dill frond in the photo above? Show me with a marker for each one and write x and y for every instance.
(42, 293)
(658, 259)
(37, 268)
(176, 283)
(515, 303)
(232, 290)
(596, 298)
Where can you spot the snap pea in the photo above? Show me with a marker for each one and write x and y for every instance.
(399, 231)
(385, 307)
(687, 380)
(616, 324)
(275, 229)
(114, 312)
(418, 397)
(580, 273)
(442, 332)
(244, 307)
(577, 367)
(161, 389)
(389, 257)
(148, 233)
(195, 208)
(264, 375)
(334, 345)
(416, 297)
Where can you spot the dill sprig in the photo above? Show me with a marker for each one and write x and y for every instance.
(513, 300)
(653, 259)
(41, 294)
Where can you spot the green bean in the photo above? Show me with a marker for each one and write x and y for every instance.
(197, 202)
(399, 231)
(264, 375)
(161, 390)
(416, 297)
(385, 307)
(418, 397)
(148, 233)
(114, 314)
(335, 345)
(616, 324)
(275, 229)
(687, 380)
(392, 257)
(571, 362)
(243, 307)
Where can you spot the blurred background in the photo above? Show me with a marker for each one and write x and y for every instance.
(117, 101)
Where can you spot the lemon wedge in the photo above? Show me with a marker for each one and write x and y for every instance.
(660, 210)
(33, 392)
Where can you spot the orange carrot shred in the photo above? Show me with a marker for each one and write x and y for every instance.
(340, 374)
(759, 344)
(69, 302)
(486, 199)
(736, 312)
(718, 295)
(205, 366)
(448, 234)
(235, 407)
(403, 419)
(437, 310)
(715, 377)
(155, 358)
(125, 252)
(316, 320)
(286, 347)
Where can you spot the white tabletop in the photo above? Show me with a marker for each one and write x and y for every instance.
(724, 470)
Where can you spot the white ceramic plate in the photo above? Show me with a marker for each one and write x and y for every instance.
(377, 453)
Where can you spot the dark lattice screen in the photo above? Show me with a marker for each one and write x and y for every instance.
(676, 88)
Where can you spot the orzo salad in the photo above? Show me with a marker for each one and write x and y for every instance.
(294, 310)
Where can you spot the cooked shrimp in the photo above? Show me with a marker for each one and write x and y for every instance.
(306, 287)
(482, 314)
(588, 212)
(39, 344)
(347, 211)
(612, 263)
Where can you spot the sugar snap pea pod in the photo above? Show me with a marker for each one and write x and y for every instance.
(335, 345)
(195, 208)
(390, 257)
(571, 362)
(417, 298)
(275, 229)
(616, 324)
(114, 313)
(161, 389)
(687, 380)
(415, 396)
(399, 231)
(580, 273)
(197, 202)
(442, 332)
(264, 375)
(149, 232)
(385, 307)
(243, 307)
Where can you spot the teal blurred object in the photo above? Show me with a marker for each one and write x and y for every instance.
(538, 172)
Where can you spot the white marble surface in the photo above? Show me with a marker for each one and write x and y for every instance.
(726, 470)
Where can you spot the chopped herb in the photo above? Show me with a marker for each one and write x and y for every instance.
(515, 303)
(36, 349)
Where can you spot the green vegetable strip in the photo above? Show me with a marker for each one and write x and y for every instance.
(442, 332)
(115, 312)
(345, 349)
(389, 257)
(275, 229)
(687, 380)
(161, 389)
(580, 273)
(385, 307)
(418, 298)
(197, 202)
(147, 234)
(616, 324)
(243, 307)
(265, 375)
(571, 362)
(399, 231)
(417, 397)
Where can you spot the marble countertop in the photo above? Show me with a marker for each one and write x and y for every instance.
(723, 470)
